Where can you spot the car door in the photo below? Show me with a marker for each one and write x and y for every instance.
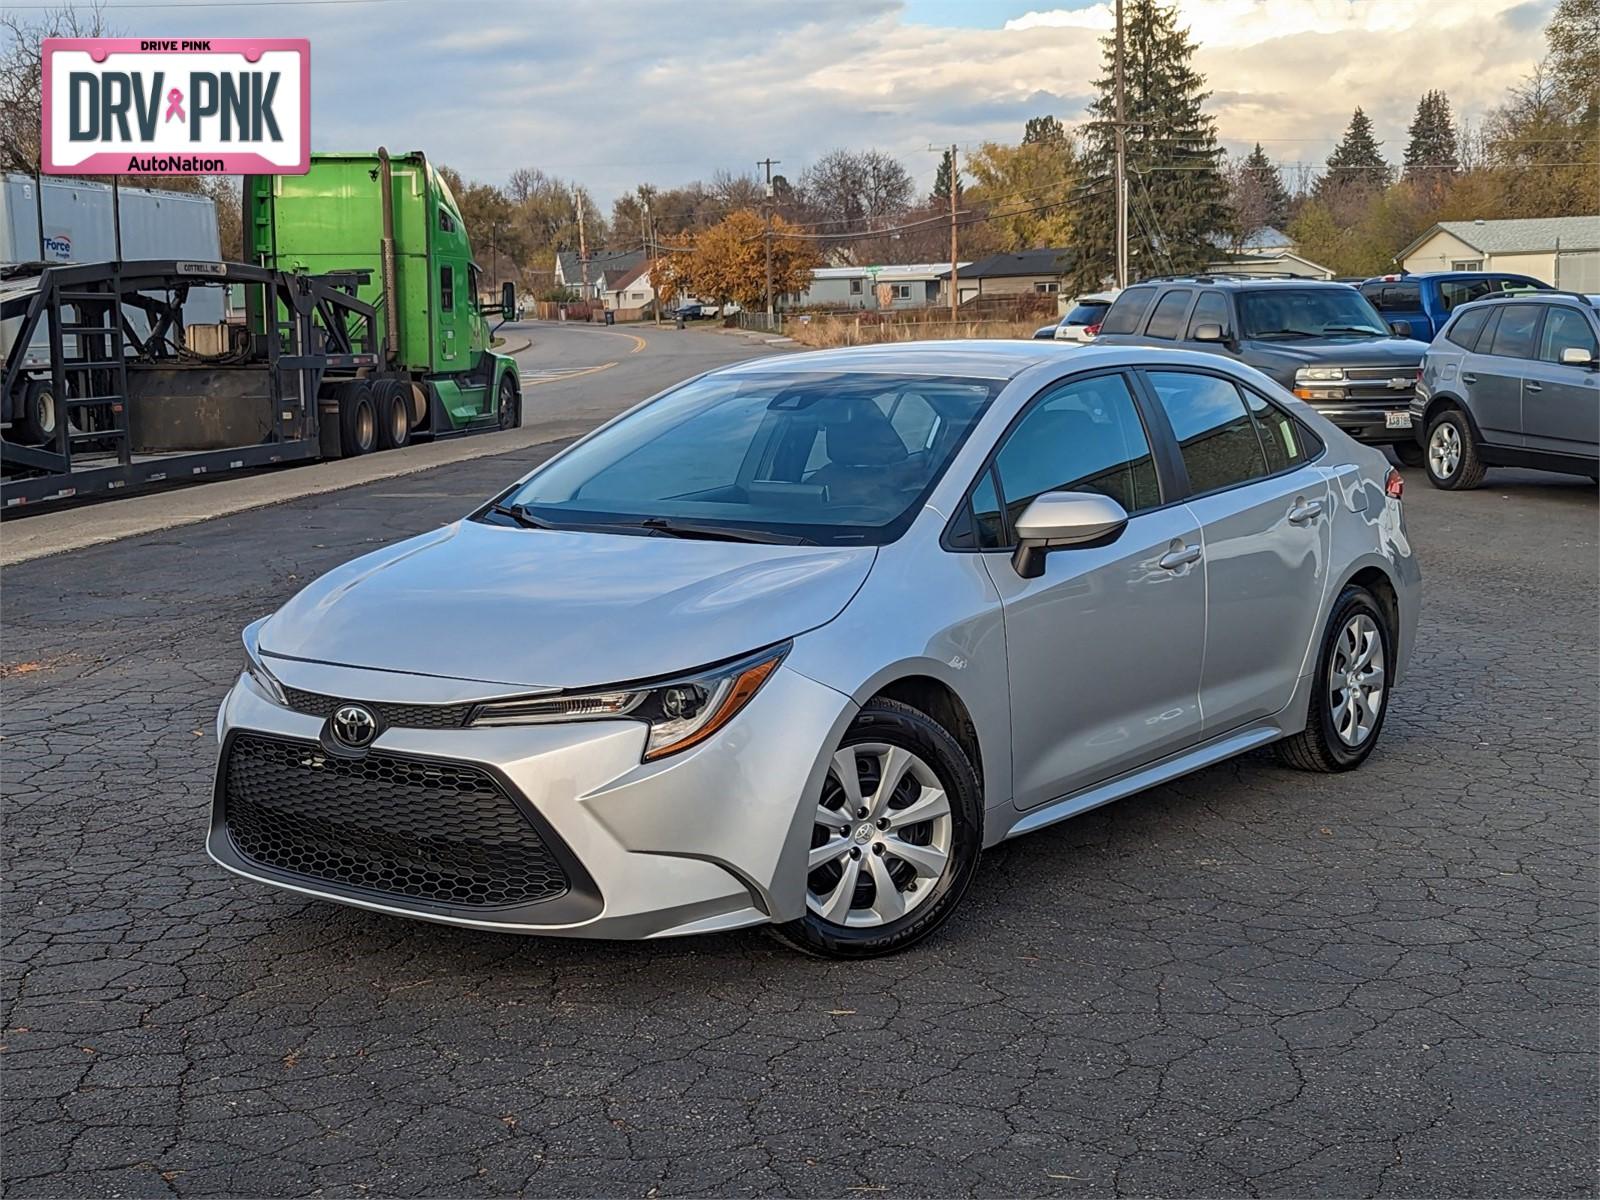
(1265, 529)
(1211, 309)
(1560, 401)
(1493, 375)
(1103, 648)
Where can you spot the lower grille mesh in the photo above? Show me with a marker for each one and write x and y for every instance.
(444, 832)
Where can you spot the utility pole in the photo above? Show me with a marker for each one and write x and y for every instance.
(583, 244)
(769, 163)
(1122, 160)
(650, 258)
(955, 186)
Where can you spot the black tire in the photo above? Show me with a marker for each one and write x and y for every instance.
(894, 724)
(392, 399)
(1468, 470)
(1319, 747)
(1409, 453)
(38, 414)
(358, 419)
(508, 407)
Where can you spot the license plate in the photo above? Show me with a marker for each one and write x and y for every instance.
(1399, 420)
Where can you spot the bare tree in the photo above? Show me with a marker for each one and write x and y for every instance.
(22, 73)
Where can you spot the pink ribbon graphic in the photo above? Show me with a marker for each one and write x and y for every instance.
(175, 105)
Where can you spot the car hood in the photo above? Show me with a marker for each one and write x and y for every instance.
(558, 609)
(1356, 352)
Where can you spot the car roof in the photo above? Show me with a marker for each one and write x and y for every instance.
(1411, 276)
(978, 358)
(1237, 282)
(1576, 299)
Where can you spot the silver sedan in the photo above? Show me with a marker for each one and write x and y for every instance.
(791, 643)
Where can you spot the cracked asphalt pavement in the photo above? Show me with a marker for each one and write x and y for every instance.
(1251, 982)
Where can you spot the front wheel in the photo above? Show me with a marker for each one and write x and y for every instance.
(1351, 688)
(1452, 456)
(896, 837)
(508, 412)
(1409, 453)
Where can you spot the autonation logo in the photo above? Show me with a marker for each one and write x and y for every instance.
(224, 106)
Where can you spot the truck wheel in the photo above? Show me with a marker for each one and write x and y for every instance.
(36, 419)
(1409, 453)
(507, 408)
(393, 402)
(358, 419)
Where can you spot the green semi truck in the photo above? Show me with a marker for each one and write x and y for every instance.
(394, 218)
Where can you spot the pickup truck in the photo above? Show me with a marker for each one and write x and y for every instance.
(1424, 301)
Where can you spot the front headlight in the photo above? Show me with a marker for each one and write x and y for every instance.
(680, 712)
(256, 670)
(1318, 374)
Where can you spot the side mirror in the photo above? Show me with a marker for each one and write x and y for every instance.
(1577, 356)
(1209, 332)
(1056, 520)
(508, 300)
(1400, 328)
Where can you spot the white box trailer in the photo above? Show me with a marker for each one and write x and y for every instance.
(78, 228)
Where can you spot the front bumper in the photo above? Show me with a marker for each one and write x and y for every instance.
(1374, 424)
(713, 838)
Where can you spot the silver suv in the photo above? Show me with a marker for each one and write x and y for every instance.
(1512, 382)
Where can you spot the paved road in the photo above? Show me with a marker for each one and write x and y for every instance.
(1253, 982)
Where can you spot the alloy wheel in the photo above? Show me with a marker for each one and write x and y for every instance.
(1356, 680)
(882, 837)
(1444, 450)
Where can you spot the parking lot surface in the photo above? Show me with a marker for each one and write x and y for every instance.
(1252, 982)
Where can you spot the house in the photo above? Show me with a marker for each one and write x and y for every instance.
(628, 288)
(1266, 240)
(1032, 272)
(569, 269)
(908, 285)
(1564, 251)
(1269, 262)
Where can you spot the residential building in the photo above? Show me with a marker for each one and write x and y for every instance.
(629, 288)
(1032, 272)
(1270, 262)
(569, 269)
(907, 285)
(1564, 251)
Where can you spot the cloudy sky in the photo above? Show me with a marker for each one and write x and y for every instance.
(664, 91)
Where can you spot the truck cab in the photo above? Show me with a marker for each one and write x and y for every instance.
(1425, 300)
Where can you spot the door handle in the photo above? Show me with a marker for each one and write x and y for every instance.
(1304, 511)
(1468, 377)
(1531, 386)
(1181, 557)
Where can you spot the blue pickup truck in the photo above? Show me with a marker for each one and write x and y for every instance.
(1425, 300)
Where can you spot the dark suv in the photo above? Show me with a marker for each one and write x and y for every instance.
(1323, 341)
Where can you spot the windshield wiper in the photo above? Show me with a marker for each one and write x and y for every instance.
(1299, 333)
(720, 533)
(1356, 329)
(520, 515)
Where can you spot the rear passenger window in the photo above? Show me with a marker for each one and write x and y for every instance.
(1464, 330)
(1565, 329)
(1127, 313)
(1210, 309)
(1215, 433)
(1085, 436)
(1394, 297)
(1280, 436)
(1513, 337)
(1167, 320)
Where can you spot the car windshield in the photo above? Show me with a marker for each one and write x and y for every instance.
(1309, 312)
(828, 458)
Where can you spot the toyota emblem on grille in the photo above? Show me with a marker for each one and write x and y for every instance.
(353, 725)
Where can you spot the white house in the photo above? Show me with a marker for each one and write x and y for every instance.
(1564, 251)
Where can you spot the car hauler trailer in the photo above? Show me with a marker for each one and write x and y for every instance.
(396, 219)
(131, 395)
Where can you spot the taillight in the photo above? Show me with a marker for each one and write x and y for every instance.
(1092, 330)
(1394, 486)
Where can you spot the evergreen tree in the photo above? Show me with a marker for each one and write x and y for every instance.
(1433, 145)
(941, 181)
(1044, 130)
(1177, 196)
(1258, 195)
(1356, 167)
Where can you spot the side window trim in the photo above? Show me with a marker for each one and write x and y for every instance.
(1158, 438)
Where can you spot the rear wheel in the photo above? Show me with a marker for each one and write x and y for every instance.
(37, 417)
(392, 399)
(1452, 454)
(896, 837)
(1351, 688)
(358, 419)
(1409, 453)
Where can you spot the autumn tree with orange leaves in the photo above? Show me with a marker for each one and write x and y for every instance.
(728, 263)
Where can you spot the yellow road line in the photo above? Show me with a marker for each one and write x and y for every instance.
(575, 374)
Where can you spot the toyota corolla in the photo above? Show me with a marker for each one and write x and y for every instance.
(793, 642)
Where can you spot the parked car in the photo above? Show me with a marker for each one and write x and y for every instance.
(1323, 341)
(806, 634)
(1512, 382)
(1424, 301)
(1082, 322)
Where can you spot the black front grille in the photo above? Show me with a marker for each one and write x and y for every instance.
(444, 832)
(407, 716)
(1371, 384)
